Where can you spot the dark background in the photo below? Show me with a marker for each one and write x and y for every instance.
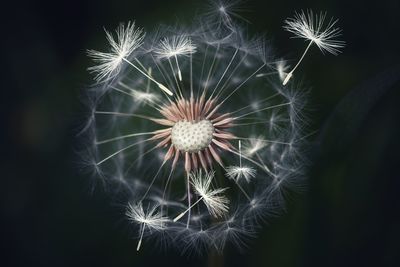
(51, 217)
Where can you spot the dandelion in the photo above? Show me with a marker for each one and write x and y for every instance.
(174, 152)
(311, 27)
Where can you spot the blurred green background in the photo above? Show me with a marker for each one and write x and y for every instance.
(348, 217)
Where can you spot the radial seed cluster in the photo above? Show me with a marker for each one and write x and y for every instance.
(195, 126)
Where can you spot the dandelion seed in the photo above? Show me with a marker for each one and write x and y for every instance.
(109, 64)
(254, 145)
(223, 12)
(150, 218)
(282, 68)
(311, 27)
(174, 47)
(238, 172)
(195, 241)
(216, 203)
(140, 97)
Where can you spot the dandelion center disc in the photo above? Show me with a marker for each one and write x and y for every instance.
(190, 136)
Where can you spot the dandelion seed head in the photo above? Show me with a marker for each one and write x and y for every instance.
(195, 125)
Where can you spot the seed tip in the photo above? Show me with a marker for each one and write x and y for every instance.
(178, 217)
(165, 89)
(287, 78)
